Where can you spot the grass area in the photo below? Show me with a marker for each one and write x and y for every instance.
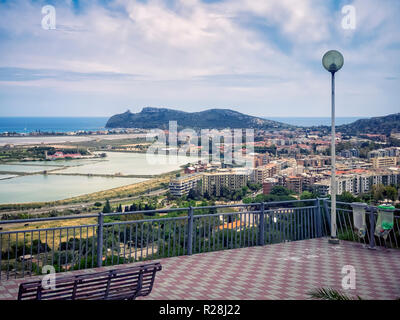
(104, 144)
(32, 232)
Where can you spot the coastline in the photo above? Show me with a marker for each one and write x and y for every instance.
(30, 140)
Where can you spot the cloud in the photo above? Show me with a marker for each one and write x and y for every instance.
(262, 56)
(21, 74)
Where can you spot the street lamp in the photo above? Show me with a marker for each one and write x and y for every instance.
(333, 61)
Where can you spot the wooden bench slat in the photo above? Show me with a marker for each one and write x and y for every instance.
(120, 283)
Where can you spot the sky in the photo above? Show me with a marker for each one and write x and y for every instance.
(260, 57)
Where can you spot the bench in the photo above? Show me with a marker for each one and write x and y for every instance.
(117, 284)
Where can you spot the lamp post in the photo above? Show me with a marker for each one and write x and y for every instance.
(333, 61)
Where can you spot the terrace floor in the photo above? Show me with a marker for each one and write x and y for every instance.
(281, 271)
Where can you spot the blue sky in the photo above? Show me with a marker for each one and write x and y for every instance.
(261, 57)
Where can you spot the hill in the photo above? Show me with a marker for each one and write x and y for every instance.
(377, 125)
(150, 118)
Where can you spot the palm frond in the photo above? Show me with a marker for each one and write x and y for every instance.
(330, 294)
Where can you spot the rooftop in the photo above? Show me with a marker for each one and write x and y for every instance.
(283, 271)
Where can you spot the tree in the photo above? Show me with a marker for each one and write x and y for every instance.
(280, 191)
(390, 192)
(194, 194)
(378, 192)
(254, 186)
(307, 195)
(347, 197)
(107, 207)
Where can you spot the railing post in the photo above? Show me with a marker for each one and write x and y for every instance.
(328, 216)
(261, 226)
(319, 220)
(371, 228)
(190, 231)
(100, 239)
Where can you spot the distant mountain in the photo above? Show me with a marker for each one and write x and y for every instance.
(377, 125)
(150, 118)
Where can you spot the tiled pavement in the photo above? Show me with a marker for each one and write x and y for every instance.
(278, 271)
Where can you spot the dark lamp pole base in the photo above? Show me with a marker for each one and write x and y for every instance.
(334, 241)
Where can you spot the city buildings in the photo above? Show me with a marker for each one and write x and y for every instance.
(384, 162)
(350, 153)
(292, 159)
(260, 174)
(385, 152)
(181, 186)
(359, 183)
(268, 184)
(213, 182)
(294, 183)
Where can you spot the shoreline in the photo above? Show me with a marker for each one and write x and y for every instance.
(44, 140)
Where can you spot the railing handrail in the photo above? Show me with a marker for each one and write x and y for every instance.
(76, 217)
(183, 209)
(368, 206)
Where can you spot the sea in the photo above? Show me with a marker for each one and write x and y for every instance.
(51, 124)
(67, 124)
(314, 121)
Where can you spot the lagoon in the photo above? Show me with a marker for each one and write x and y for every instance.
(131, 164)
(39, 188)
(18, 168)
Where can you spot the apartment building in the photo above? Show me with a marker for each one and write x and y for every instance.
(181, 186)
(358, 183)
(384, 162)
(268, 184)
(309, 180)
(361, 184)
(261, 160)
(350, 153)
(316, 162)
(213, 182)
(322, 188)
(386, 152)
(294, 183)
(260, 174)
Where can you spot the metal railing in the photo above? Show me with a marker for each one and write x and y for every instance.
(116, 238)
(347, 231)
(104, 239)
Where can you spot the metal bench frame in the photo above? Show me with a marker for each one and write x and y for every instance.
(117, 284)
